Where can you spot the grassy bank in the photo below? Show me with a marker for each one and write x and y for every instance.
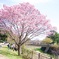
(9, 53)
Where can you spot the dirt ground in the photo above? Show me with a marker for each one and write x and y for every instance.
(3, 57)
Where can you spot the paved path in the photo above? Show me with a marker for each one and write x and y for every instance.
(3, 57)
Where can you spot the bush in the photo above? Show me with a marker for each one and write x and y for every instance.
(26, 53)
(55, 46)
(47, 41)
(55, 49)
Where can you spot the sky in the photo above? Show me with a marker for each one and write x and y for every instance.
(50, 8)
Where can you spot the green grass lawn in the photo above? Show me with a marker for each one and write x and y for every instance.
(9, 53)
(38, 49)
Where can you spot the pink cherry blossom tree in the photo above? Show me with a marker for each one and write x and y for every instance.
(23, 22)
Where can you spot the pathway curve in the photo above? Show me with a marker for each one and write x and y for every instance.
(3, 57)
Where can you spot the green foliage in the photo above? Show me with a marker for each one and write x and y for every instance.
(51, 43)
(26, 53)
(47, 41)
(3, 37)
(55, 37)
(55, 46)
(38, 49)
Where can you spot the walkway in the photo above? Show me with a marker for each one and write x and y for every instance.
(3, 57)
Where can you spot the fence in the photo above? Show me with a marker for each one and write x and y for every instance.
(37, 55)
(27, 54)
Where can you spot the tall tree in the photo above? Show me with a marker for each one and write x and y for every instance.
(23, 22)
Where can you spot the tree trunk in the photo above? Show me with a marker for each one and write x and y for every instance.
(19, 50)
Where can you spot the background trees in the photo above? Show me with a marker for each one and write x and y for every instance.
(55, 37)
(23, 22)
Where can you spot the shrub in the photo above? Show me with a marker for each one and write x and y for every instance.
(47, 41)
(55, 49)
(55, 46)
(26, 53)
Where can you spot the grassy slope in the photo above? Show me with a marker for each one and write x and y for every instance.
(9, 53)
